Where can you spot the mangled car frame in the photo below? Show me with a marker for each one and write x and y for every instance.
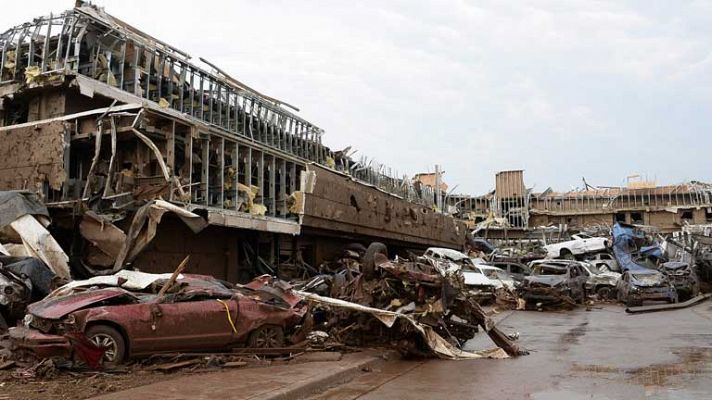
(126, 315)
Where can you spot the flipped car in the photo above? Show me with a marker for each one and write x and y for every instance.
(578, 245)
(553, 281)
(124, 316)
(638, 285)
(682, 277)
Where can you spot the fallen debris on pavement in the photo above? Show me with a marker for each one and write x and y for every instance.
(418, 307)
(663, 307)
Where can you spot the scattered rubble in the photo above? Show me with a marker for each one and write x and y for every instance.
(420, 307)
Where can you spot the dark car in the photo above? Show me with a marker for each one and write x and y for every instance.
(554, 281)
(638, 285)
(203, 313)
(682, 277)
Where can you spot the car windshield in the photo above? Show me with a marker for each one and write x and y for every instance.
(584, 236)
(548, 270)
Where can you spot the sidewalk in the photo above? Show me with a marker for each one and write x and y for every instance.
(278, 382)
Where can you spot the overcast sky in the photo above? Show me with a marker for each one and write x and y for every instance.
(562, 89)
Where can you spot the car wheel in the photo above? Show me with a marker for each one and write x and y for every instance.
(566, 254)
(603, 292)
(578, 299)
(369, 264)
(266, 337)
(109, 339)
(357, 247)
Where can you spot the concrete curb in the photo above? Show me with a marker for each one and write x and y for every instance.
(326, 381)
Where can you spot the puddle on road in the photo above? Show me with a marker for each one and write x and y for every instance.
(572, 336)
(691, 361)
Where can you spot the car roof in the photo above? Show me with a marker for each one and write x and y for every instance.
(552, 266)
(558, 263)
(485, 266)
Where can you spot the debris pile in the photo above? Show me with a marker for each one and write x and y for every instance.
(420, 307)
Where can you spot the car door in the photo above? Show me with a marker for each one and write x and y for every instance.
(193, 324)
(516, 271)
(575, 281)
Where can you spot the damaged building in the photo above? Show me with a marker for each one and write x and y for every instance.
(513, 210)
(113, 128)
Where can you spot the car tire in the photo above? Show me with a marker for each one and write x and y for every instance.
(603, 292)
(3, 324)
(356, 247)
(266, 337)
(111, 339)
(369, 265)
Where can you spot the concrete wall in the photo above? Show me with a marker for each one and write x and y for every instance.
(340, 205)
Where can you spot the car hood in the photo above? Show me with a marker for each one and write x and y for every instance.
(548, 280)
(647, 279)
(605, 277)
(58, 307)
(675, 267)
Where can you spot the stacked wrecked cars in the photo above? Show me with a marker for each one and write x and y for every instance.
(420, 307)
(638, 260)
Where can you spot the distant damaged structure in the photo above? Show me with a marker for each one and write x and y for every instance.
(513, 210)
(112, 128)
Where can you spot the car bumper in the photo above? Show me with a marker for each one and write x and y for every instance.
(653, 294)
(40, 344)
(683, 284)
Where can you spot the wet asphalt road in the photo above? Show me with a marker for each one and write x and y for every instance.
(599, 354)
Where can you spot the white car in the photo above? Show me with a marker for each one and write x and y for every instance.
(580, 244)
(474, 277)
(499, 277)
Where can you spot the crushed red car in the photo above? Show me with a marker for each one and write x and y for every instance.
(124, 316)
